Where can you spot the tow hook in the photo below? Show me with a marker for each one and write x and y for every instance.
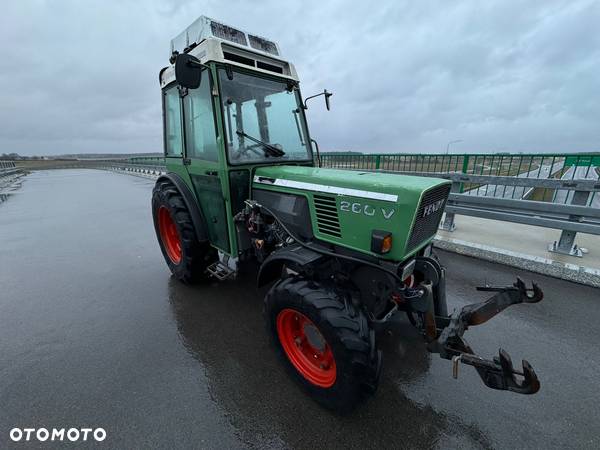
(499, 372)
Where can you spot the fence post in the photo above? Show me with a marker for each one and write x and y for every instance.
(465, 169)
(377, 161)
(566, 243)
(448, 223)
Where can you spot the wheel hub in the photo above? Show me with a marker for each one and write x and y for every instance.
(306, 348)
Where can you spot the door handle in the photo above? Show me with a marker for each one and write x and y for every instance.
(187, 161)
(212, 173)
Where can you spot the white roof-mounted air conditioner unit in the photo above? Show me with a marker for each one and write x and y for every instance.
(205, 27)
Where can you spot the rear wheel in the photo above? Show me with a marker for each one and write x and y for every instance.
(325, 343)
(185, 255)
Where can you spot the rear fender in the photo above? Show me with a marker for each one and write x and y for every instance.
(190, 202)
(294, 256)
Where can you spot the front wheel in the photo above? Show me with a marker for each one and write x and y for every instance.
(326, 343)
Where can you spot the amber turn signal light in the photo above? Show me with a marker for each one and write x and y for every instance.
(381, 241)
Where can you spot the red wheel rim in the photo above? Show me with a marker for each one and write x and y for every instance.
(169, 235)
(410, 280)
(306, 348)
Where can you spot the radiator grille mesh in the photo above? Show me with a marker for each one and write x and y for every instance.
(429, 215)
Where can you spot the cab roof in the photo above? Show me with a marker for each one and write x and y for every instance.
(209, 40)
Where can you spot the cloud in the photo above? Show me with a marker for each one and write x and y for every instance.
(407, 76)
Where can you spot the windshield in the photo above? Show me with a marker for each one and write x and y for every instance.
(262, 120)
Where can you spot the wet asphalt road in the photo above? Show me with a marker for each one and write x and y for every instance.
(95, 333)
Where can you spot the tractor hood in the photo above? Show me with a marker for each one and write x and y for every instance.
(346, 207)
(375, 185)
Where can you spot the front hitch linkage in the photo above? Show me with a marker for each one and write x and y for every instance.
(499, 372)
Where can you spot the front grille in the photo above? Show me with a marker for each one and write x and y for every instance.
(429, 215)
(327, 215)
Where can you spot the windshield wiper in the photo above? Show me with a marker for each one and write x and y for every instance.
(270, 150)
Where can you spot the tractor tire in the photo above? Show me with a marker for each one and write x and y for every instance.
(325, 342)
(186, 257)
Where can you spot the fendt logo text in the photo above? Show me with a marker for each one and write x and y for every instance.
(430, 209)
(57, 434)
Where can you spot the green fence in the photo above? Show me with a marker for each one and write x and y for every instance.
(474, 164)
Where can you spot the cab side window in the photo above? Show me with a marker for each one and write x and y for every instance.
(200, 134)
(172, 122)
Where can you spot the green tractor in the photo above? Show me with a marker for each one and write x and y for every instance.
(344, 250)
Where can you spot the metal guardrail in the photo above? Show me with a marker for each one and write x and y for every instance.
(153, 168)
(570, 219)
(8, 174)
(573, 218)
(7, 168)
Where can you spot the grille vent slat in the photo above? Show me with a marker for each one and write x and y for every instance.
(426, 224)
(328, 211)
(324, 227)
(326, 207)
(329, 220)
(327, 215)
(330, 206)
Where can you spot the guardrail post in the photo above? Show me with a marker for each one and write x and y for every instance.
(566, 243)
(448, 223)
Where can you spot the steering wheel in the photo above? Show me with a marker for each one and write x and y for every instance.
(244, 150)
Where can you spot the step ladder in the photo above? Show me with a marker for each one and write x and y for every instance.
(220, 271)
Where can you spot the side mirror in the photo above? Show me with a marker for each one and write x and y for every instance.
(327, 95)
(188, 71)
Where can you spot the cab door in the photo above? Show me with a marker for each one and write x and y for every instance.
(203, 161)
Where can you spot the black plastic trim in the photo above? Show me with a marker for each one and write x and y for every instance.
(295, 255)
(192, 205)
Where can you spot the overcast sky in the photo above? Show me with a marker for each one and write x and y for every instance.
(510, 76)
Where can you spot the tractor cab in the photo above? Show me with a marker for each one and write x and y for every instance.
(231, 104)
